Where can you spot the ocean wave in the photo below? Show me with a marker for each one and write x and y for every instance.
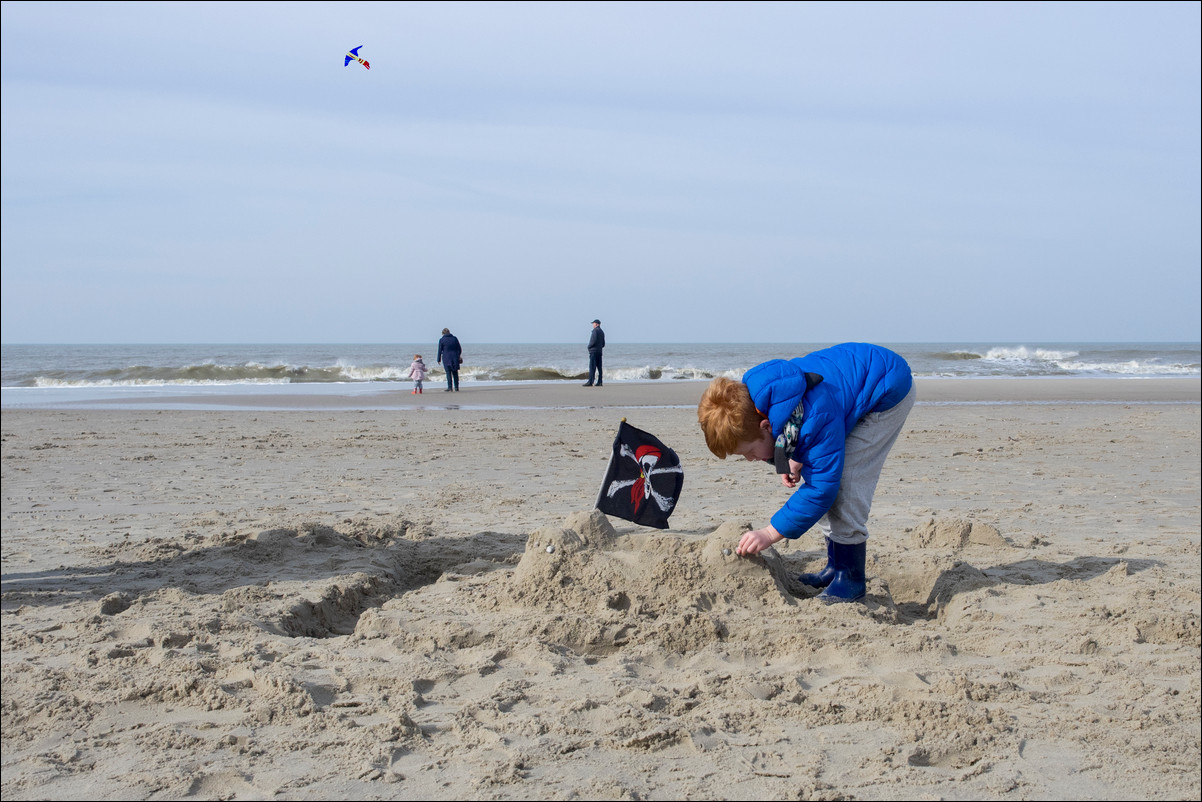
(43, 381)
(1021, 360)
(1129, 368)
(956, 356)
(1024, 354)
(207, 374)
(199, 365)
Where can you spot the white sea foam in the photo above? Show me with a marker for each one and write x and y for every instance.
(43, 381)
(1024, 354)
(373, 372)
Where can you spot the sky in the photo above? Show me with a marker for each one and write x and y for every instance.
(686, 172)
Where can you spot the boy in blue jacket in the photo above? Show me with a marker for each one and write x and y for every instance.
(826, 421)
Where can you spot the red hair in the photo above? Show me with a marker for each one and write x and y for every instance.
(727, 416)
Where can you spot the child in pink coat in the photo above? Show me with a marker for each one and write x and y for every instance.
(417, 372)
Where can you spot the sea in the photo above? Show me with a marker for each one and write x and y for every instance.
(80, 376)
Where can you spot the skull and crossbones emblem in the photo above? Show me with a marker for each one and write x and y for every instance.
(647, 458)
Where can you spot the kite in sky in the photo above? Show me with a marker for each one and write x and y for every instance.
(354, 56)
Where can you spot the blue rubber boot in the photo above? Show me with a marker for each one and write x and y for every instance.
(848, 583)
(823, 577)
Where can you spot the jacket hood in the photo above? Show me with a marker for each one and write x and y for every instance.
(777, 387)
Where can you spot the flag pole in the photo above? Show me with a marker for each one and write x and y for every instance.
(601, 491)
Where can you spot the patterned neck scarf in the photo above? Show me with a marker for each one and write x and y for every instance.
(787, 441)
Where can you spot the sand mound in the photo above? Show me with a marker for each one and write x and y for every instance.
(583, 586)
(956, 533)
(585, 562)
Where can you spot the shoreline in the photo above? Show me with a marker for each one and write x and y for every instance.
(569, 395)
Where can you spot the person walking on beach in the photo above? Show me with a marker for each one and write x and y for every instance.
(417, 372)
(596, 342)
(827, 421)
(450, 354)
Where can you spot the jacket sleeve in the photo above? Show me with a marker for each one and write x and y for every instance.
(820, 451)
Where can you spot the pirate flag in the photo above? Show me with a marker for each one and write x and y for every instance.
(643, 481)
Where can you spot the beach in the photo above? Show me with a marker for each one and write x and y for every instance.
(400, 596)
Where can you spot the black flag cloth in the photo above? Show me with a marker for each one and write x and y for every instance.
(643, 481)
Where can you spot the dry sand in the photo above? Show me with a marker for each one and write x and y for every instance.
(420, 604)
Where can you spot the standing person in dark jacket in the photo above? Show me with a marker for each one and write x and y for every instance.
(827, 421)
(450, 354)
(596, 342)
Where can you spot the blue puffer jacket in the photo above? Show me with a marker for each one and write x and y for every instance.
(857, 378)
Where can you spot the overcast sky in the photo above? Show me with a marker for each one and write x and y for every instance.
(715, 172)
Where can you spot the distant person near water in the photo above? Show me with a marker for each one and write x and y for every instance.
(450, 354)
(417, 372)
(596, 342)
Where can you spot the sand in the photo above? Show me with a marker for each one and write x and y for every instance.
(420, 603)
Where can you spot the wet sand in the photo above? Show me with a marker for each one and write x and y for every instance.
(676, 393)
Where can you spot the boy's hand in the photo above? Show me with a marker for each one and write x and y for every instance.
(757, 540)
(793, 477)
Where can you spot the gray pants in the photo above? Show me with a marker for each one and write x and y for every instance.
(864, 456)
